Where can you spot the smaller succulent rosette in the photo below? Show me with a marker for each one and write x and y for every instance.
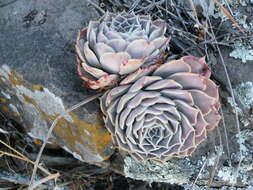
(117, 45)
(163, 111)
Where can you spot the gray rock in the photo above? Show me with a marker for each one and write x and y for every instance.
(37, 41)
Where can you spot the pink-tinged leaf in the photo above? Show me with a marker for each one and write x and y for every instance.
(176, 94)
(109, 125)
(198, 65)
(140, 48)
(124, 100)
(91, 32)
(164, 84)
(143, 82)
(138, 74)
(212, 89)
(202, 101)
(136, 126)
(189, 142)
(157, 32)
(213, 119)
(111, 61)
(80, 47)
(199, 139)
(104, 82)
(201, 124)
(123, 116)
(141, 96)
(190, 112)
(118, 45)
(172, 111)
(172, 151)
(176, 138)
(115, 93)
(111, 111)
(130, 66)
(189, 80)
(102, 48)
(186, 127)
(103, 98)
(134, 113)
(90, 56)
(93, 70)
(172, 67)
(113, 35)
(161, 42)
(102, 30)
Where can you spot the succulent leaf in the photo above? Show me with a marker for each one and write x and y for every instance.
(163, 111)
(119, 44)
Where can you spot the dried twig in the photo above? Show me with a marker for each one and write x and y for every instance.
(233, 100)
(227, 13)
(21, 157)
(202, 168)
(44, 180)
(226, 136)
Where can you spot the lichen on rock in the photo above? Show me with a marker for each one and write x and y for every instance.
(35, 107)
(244, 91)
(243, 52)
(151, 171)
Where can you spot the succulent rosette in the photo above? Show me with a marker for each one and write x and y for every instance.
(117, 45)
(163, 111)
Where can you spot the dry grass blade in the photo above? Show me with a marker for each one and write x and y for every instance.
(217, 160)
(44, 180)
(220, 152)
(226, 136)
(195, 12)
(85, 101)
(202, 168)
(233, 100)
(227, 13)
(21, 157)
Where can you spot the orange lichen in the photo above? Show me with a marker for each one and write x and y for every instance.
(2, 100)
(5, 109)
(15, 78)
(93, 136)
(38, 87)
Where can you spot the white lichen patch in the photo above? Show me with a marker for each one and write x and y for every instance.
(243, 52)
(48, 102)
(242, 139)
(227, 174)
(39, 129)
(154, 172)
(214, 156)
(244, 91)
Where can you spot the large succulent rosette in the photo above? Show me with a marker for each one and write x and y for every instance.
(163, 111)
(116, 45)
